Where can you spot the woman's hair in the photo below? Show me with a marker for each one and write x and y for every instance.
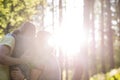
(44, 36)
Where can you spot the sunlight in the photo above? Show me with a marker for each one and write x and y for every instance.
(69, 40)
(70, 36)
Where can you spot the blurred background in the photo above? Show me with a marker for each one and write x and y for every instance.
(86, 33)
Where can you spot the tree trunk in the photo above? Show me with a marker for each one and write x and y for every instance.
(110, 36)
(62, 57)
(60, 12)
(93, 66)
(8, 27)
(85, 46)
(53, 14)
(43, 16)
(102, 38)
(118, 14)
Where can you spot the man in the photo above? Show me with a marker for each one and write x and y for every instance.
(6, 47)
(8, 43)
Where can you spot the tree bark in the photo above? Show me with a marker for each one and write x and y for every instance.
(110, 35)
(86, 24)
(93, 66)
(102, 38)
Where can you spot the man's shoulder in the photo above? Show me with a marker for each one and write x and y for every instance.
(10, 35)
(8, 40)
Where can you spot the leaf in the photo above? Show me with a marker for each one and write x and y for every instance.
(17, 11)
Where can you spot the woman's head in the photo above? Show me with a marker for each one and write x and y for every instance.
(43, 38)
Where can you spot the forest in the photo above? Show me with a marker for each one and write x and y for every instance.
(87, 32)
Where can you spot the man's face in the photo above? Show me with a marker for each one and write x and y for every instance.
(16, 74)
(28, 33)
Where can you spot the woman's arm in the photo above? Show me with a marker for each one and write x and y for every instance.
(35, 74)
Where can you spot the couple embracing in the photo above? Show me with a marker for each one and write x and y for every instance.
(26, 55)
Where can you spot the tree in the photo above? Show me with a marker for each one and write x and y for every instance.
(86, 27)
(110, 35)
(118, 20)
(102, 38)
(14, 12)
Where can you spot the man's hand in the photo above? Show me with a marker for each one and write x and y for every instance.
(16, 74)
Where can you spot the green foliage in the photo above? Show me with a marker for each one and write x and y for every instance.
(112, 75)
(14, 12)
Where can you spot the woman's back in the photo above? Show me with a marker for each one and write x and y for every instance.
(51, 69)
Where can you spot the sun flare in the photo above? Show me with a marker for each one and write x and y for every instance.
(69, 36)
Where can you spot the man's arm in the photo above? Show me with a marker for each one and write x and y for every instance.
(6, 59)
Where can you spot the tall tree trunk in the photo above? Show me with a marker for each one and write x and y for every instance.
(60, 11)
(81, 63)
(42, 20)
(78, 67)
(102, 52)
(110, 36)
(53, 14)
(61, 54)
(85, 46)
(93, 66)
(118, 14)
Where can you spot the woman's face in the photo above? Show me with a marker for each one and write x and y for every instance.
(42, 42)
(42, 38)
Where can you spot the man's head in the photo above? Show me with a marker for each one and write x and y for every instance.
(28, 29)
(24, 38)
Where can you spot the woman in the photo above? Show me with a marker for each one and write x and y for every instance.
(51, 68)
(45, 63)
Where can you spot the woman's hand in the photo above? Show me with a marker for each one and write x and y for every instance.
(35, 74)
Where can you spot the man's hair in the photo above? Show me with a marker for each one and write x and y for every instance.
(27, 26)
(15, 32)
